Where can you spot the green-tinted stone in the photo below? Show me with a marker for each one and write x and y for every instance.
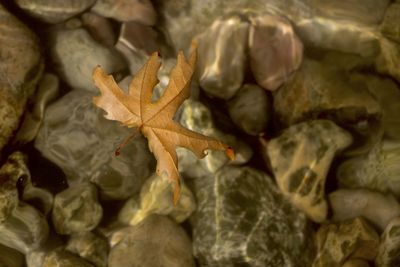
(390, 26)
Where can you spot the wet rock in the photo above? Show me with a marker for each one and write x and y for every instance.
(221, 65)
(11, 258)
(250, 109)
(77, 137)
(63, 258)
(54, 11)
(99, 28)
(90, 246)
(76, 209)
(156, 198)
(300, 159)
(377, 170)
(377, 208)
(275, 50)
(46, 92)
(388, 61)
(242, 219)
(320, 91)
(20, 69)
(389, 248)
(390, 26)
(349, 239)
(76, 54)
(197, 117)
(127, 10)
(156, 241)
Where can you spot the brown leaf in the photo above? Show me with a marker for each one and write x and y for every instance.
(155, 119)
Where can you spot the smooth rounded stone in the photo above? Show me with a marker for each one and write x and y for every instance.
(10, 257)
(221, 65)
(136, 42)
(197, 117)
(390, 26)
(127, 10)
(250, 109)
(47, 91)
(156, 198)
(377, 208)
(243, 220)
(300, 159)
(25, 229)
(389, 248)
(156, 241)
(379, 169)
(387, 93)
(356, 263)
(100, 28)
(77, 138)
(275, 50)
(75, 54)
(20, 69)
(63, 258)
(348, 239)
(388, 61)
(54, 11)
(90, 246)
(76, 209)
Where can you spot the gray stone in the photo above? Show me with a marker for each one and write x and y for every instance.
(90, 246)
(377, 208)
(390, 26)
(156, 198)
(250, 109)
(156, 241)
(300, 159)
(76, 209)
(389, 248)
(77, 137)
(127, 10)
(377, 170)
(20, 69)
(221, 65)
(275, 50)
(243, 220)
(75, 54)
(63, 258)
(348, 239)
(11, 258)
(194, 116)
(54, 11)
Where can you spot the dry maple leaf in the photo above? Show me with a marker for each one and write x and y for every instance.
(155, 119)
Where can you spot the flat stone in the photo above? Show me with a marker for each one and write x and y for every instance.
(356, 263)
(156, 241)
(300, 159)
(388, 61)
(63, 258)
(389, 248)
(77, 138)
(243, 220)
(348, 239)
(100, 28)
(390, 26)
(250, 109)
(11, 258)
(76, 209)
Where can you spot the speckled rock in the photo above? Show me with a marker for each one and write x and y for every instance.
(348, 239)
(275, 50)
(377, 170)
(76, 209)
(389, 248)
(63, 258)
(300, 159)
(156, 241)
(20, 69)
(377, 208)
(11, 258)
(156, 198)
(54, 11)
(221, 65)
(390, 26)
(90, 246)
(75, 54)
(250, 109)
(127, 10)
(242, 219)
(197, 117)
(77, 137)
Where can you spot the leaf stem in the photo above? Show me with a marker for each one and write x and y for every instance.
(126, 141)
